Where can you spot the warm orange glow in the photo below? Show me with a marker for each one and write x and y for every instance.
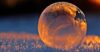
(83, 26)
(11, 2)
(97, 2)
(90, 42)
(93, 39)
(71, 10)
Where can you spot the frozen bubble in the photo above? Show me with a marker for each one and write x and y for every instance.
(62, 25)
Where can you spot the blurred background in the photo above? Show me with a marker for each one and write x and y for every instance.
(22, 15)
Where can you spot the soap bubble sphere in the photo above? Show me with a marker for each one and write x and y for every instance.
(62, 25)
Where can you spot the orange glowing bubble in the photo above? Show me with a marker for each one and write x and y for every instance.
(90, 43)
(62, 25)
